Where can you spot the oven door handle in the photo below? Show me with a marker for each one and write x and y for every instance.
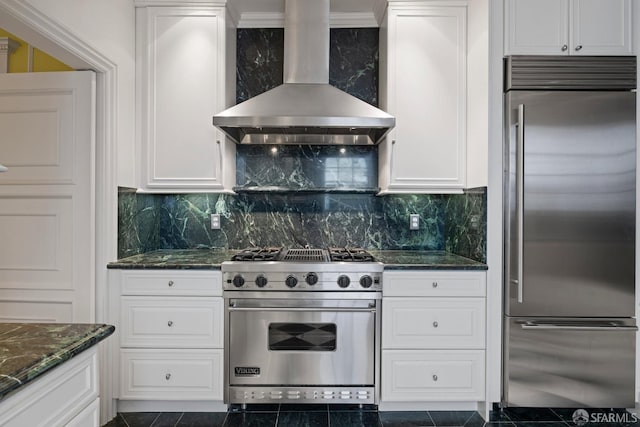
(325, 309)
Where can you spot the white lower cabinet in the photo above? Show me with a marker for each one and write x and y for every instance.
(171, 374)
(432, 375)
(171, 335)
(65, 396)
(433, 336)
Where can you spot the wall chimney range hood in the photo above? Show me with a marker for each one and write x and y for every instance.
(305, 109)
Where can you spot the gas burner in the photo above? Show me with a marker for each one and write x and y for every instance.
(302, 269)
(258, 254)
(350, 255)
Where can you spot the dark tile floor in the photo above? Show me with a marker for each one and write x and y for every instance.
(368, 416)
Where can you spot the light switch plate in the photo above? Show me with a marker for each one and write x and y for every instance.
(414, 222)
(215, 221)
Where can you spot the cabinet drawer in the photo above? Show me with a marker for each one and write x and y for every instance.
(434, 284)
(171, 374)
(444, 323)
(171, 322)
(432, 375)
(171, 282)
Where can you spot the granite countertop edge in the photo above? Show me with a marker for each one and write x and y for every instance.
(211, 259)
(11, 382)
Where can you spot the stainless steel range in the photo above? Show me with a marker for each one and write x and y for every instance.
(302, 326)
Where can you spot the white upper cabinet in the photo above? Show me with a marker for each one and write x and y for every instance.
(182, 80)
(568, 27)
(423, 84)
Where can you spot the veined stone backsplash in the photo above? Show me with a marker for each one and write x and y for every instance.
(349, 214)
(451, 222)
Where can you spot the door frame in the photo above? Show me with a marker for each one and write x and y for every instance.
(28, 23)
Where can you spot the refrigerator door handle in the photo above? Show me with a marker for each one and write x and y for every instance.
(520, 199)
(585, 327)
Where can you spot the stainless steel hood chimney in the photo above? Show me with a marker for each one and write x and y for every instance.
(305, 109)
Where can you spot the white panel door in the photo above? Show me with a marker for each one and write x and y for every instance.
(537, 27)
(601, 27)
(47, 220)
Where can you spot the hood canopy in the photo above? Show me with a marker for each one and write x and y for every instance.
(306, 109)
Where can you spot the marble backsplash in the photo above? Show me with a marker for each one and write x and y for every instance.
(451, 222)
(325, 196)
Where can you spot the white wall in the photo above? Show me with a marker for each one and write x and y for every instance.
(109, 28)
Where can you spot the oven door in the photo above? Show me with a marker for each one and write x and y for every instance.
(300, 342)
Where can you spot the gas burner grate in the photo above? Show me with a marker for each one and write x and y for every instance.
(305, 255)
(258, 254)
(350, 255)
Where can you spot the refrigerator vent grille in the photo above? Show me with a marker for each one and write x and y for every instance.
(570, 72)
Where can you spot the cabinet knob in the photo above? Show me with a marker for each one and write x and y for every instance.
(435, 378)
(170, 323)
(170, 283)
(579, 47)
(435, 324)
(564, 47)
(434, 284)
(167, 377)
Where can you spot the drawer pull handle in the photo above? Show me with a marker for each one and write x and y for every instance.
(579, 47)
(167, 377)
(170, 323)
(170, 283)
(435, 378)
(564, 47)
(435, 324)
(434, 284)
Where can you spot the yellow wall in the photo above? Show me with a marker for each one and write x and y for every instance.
(19, 59)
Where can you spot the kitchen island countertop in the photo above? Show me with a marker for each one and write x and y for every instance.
(210, 259)
(28, 350)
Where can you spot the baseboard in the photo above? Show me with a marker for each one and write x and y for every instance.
(170, 406)
(428, 406)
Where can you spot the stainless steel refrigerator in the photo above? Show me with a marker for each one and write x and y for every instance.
(569, 200)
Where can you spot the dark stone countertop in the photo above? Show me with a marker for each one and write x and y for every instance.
(425, 260)
(28, 350)
(210, 259)
(176, 259)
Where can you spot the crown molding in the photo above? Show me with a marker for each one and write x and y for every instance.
(147, 3)
(379, 9)
(336, 20)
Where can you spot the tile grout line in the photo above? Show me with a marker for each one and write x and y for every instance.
(178, 420)
(124, 420)
(155, 419)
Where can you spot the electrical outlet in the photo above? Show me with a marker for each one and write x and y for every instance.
(215, 221)
(414, 222)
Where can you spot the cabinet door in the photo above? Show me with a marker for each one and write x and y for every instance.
(537, 27)
(601, 27)
(426, 92)
(181, 75)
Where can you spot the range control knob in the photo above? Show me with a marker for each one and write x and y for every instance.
(366, 281)
(291, 281)
(261, 281)
(343, 281)
(238, 281)
(312, 279)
